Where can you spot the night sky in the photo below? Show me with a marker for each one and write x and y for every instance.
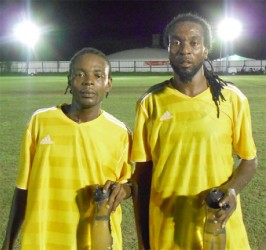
(113, 26)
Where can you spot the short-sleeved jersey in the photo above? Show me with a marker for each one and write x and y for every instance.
(61, 161)
(192, 151)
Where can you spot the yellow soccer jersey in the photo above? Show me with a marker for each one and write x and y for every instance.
(60, 162)
(191, 150)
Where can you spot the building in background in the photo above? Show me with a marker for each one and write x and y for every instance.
(140, 60)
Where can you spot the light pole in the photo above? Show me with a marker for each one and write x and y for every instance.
(27, 33)
(228, 30)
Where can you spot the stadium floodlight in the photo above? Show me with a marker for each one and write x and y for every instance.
(228, 30)
(27, 33)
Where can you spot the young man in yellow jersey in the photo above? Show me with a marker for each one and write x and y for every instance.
(185, 131)
(66, 151)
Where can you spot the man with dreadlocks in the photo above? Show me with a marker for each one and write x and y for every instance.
(185, 131)
(66, 151)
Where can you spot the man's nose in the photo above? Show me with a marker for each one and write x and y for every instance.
(88, 80)
(185, 48)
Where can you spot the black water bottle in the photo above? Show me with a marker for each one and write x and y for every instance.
(214, 237)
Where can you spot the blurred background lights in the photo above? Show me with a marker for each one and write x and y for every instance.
(27, 33)
(229, 29)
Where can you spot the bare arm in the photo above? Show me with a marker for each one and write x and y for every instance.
(242, 175)
(240, 178)
(141, 197)
(16, 217)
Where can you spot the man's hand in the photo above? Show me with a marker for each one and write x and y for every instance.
(227, 204)
(119, 192)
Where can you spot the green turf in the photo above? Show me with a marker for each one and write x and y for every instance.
(20, 96)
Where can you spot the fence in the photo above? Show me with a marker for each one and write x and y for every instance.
(36, 67)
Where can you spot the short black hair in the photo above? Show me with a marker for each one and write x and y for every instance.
(189, 17)
(89, 50)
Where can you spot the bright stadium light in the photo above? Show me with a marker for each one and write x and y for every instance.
(28, 33)
(228, 30)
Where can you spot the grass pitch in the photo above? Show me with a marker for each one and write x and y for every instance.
(21, 96)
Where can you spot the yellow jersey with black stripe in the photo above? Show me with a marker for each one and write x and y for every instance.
(192, 151)
(60, 163)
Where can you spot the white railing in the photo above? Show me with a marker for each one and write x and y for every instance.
(35, 67)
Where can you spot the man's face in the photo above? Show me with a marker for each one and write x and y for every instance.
(186, 50)
(89, 81)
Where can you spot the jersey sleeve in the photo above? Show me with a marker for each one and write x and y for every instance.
(124, 161)
(27, 150)
(140, 149)
(243, 142)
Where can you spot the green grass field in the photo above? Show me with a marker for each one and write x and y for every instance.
(20, 96)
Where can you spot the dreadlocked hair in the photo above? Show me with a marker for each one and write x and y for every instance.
(216, 85)
(87, 50)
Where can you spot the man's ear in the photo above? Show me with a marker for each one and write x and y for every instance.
(205, 53)
(108, 86)
(68, 84)
(69, 79)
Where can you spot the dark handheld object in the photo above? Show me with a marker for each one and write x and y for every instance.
(213, 199)
(99, 195)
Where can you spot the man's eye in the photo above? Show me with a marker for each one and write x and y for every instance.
(79, 74)
(99, 76)
(194, 43)
(175, 43)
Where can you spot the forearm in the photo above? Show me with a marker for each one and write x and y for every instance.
(242, 175)
(141, 197)
(16, 218)
(141, 210)
(240, 178)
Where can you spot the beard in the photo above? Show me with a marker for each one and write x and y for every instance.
(186, 75)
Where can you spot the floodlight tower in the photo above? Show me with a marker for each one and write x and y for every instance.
(27, 33)
(228, 30)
